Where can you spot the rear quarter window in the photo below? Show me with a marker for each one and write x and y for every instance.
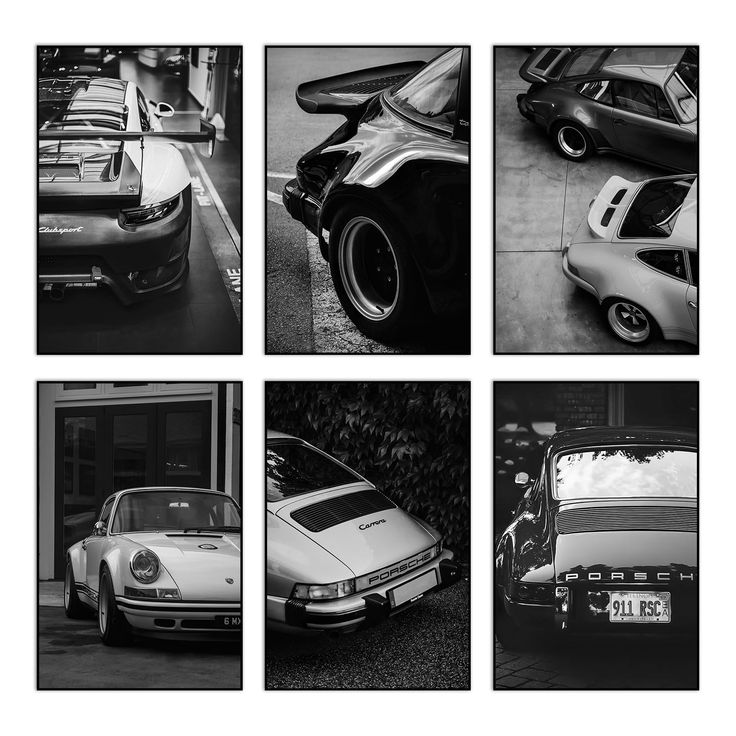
(670, 262)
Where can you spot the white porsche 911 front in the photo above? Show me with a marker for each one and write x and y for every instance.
(340, 554)
(162, 562)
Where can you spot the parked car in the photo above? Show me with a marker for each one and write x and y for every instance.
(340, 554)
(604, 539)
(388, 193)
(639, 102)
(163, 562)
(91, 61)
(114, 196)
(637, 253)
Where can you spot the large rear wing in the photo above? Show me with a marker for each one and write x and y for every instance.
(345, 93)
(541, 62)
(206, 135)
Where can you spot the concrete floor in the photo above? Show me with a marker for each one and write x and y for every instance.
(204, 315)
(540, 200)
(303, 313)
(71, 656)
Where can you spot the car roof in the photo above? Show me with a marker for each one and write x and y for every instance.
(686, 225)
(592, 436)
(648, 64)
(273, 435)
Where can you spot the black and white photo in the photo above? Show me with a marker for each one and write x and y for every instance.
(596, 544)
(368, 200)
(139, 199)
(596, 199)
(367, 535)
(139, 528)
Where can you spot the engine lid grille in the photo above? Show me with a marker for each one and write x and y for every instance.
(628, 518)
(333, 511)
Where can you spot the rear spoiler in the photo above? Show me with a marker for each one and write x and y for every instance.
(345, 93)
(539, 63)
(616, 194)
(206, 134)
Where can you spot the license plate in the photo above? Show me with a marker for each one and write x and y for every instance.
(229, 622)
(640, 607)
(412, 590)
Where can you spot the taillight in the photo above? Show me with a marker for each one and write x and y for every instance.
(150, 212)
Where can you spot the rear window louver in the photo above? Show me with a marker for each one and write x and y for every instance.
(367, 86)
(618, 196)
(607, 215)
(547, 59)
(325, 514)
(628, 518)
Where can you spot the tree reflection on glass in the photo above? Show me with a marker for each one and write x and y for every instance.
(633, 472)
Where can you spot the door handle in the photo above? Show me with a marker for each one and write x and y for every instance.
(619, 121)
(692, 304)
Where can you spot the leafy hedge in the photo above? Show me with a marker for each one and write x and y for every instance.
(411, 439)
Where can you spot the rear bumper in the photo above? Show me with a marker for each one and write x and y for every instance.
(363, 609)
(301, 206)
(96, 250)
(570, 276)
(182, 618)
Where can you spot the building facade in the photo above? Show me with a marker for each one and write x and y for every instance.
(96, 438)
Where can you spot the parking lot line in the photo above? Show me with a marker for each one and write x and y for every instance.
(275, 198)
(222, 236)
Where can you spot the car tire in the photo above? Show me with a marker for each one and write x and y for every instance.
(73, 607)
(510, 636)
(572, 141)
(373, 274)
(630, 322)
(111, 624)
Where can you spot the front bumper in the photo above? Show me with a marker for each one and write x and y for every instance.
(96, 250)
(363, 609)
(182, 618)
(301, 206)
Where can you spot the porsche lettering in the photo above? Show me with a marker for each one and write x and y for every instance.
(630, 577)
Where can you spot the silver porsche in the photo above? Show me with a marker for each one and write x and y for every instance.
(340, 554)
(637, 253)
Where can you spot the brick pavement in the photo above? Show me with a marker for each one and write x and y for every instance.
(589, 663)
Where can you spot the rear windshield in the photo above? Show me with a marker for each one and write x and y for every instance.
(654, 211)
(431, 94)
(626, 472)
(682, 98)
(293, 469)
(586, 61)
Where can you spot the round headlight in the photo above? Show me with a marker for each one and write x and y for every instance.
(145, 566)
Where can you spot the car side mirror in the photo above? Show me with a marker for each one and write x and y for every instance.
(99, 529)
(522, 480)
(164, 110)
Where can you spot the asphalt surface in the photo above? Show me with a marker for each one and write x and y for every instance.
(71, 656)
(303, 313)
(602, 663)
(426, 647)
(540, 200)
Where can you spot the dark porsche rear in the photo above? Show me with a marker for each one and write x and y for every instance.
(416, 171)
(614, 545)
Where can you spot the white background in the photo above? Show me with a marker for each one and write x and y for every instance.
(373, 22)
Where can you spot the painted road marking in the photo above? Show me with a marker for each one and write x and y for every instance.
(278, 175)
(234, 234)
(332, 329)
(221, 234)
(275, 198)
